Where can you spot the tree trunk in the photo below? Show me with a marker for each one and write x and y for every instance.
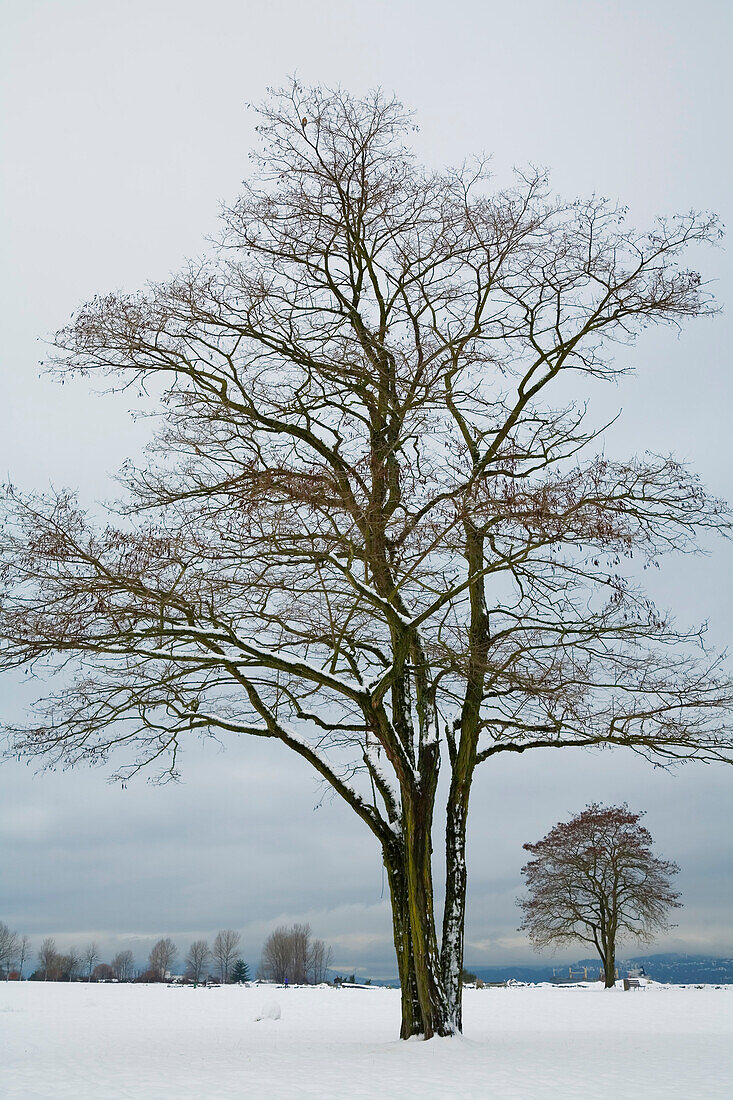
(609, 965)
(425, 1007)
(455, 909)
(463, 763)
(412, 1023)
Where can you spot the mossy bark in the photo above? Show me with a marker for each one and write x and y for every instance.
(426, 1010)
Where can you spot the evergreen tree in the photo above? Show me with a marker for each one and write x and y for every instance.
(240, 971)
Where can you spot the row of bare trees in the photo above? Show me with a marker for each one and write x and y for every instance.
(224, 955)
(54, 965)
(69, 966)
(223, 960)
(291, 956)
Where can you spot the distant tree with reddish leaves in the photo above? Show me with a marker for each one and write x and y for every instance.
(596, 879)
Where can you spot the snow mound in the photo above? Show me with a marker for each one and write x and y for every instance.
(270, 1011)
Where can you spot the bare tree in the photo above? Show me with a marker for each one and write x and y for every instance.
(123, 965)
(372, 533)
(9, 946)
(162, 957)
(289, 955)
(276, 956)
(299, 953)
(103, 972)
(68, 966)
(226, 951)
(24, 950)
(595, 878)
(48, 958)
(90, 958)
(319, 961)
(197, 960)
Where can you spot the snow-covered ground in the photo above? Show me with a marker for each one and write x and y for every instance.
(108, 1042)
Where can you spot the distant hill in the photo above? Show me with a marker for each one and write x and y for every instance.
(670, 967)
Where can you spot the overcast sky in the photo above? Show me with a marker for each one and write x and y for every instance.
(123, 125)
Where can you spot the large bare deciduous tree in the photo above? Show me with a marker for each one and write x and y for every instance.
(377, 530)
(595, 878)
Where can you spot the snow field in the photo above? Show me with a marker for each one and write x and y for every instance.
(114, 1042)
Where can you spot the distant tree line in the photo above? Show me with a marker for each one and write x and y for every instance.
(221, 962)
(594, 878)
(289, 955)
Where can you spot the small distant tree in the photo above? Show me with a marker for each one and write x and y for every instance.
(284, 953)
(147, 976)
(240, 971)
(90, 958)
(161, 958)
(103, 972)
(197, 960)
(319, 960)
(226, 951)
(24, 950)
(595, 879)
(289, 955)
(48, 958)
(68, 966)
(9, 947)
(300, 950)
(275, 961)
(123, 965)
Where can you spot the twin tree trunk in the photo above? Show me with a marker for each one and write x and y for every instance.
(430, 978)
